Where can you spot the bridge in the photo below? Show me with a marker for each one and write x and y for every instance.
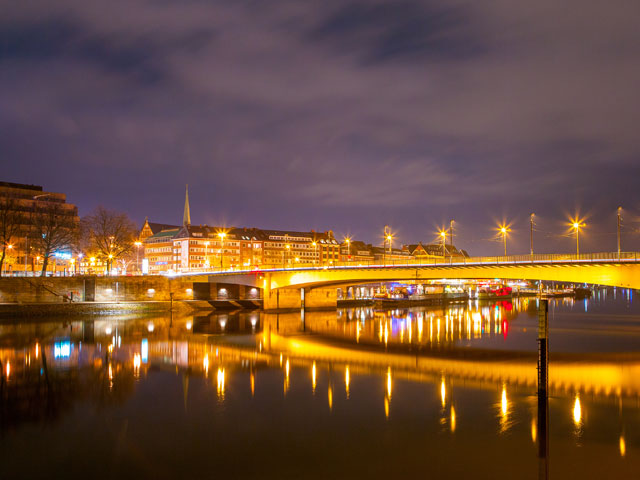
(315, 286)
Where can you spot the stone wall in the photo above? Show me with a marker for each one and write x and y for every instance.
(88, 288)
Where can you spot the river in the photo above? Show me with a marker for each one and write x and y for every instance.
(434, 392)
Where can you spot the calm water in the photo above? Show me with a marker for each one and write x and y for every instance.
(438, 392)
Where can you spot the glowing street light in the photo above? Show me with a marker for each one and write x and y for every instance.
(577, 224)
(443, 236)
(504, 231)
(314, 244)
(388, 237)
(206, 253)
(348, 242)
(222, 236)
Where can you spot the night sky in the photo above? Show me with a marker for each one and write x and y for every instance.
(343, 115)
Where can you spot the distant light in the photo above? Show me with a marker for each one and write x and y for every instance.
(188, 326)
(144, 350)
(62, 349)
(150, 327)
(577, 411)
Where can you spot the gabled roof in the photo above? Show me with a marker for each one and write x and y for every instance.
(169, 233)
(158, 227)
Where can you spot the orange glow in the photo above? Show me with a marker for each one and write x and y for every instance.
(347, 380)
(313, 377)
(453, 419)
(221, 382)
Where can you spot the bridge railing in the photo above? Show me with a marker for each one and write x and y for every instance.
(623, 257)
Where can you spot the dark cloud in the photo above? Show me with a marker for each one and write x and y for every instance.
(335, 114)
(400, 31)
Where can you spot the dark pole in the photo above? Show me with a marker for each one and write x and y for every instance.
(543, 389)
(531, 235)
(619, 222)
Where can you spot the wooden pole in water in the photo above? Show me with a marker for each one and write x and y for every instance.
(543, 389)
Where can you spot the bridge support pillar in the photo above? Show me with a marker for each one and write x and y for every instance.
(320, 298)
(283, 299)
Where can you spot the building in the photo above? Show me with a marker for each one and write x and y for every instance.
(356, 251)
(429, 251)
(26, 204)
(386, 254)
(189, 248)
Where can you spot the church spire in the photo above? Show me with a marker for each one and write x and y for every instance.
(186, 218)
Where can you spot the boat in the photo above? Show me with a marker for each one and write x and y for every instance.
(499, 293)
(582, 292)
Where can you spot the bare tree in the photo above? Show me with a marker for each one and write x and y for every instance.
(109, 233)
(11, 220)
(54, 230)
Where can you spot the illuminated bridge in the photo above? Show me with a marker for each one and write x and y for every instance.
(315, 286)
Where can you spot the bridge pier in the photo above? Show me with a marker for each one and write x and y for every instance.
(300, 298)
(320, 298)
(283, 299)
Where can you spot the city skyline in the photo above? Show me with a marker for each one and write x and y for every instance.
(335, 115)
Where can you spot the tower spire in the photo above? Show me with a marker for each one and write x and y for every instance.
(186, 218)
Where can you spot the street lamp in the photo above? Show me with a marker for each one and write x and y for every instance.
(138, 244)
(531, 232)
(443, 236)
(386, 237)
(109, 263)
(315, 250)
(451, 234)
(619, 224)
(504, 231)
(348, 241)
(288, 253)
(577, 225)
(222, 235)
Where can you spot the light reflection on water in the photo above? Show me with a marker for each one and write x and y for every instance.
(464, 371)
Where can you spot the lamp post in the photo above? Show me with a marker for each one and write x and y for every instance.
(531, 232)
(222, 235)
(443, 236)
(388, 237)
(504, 230)
(348, 240)
(577, 224)
(451, 234)
(138, 244)
(619, 224)
(315, 251)
(206, 253)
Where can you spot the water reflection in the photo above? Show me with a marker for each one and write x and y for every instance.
(486, 391)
